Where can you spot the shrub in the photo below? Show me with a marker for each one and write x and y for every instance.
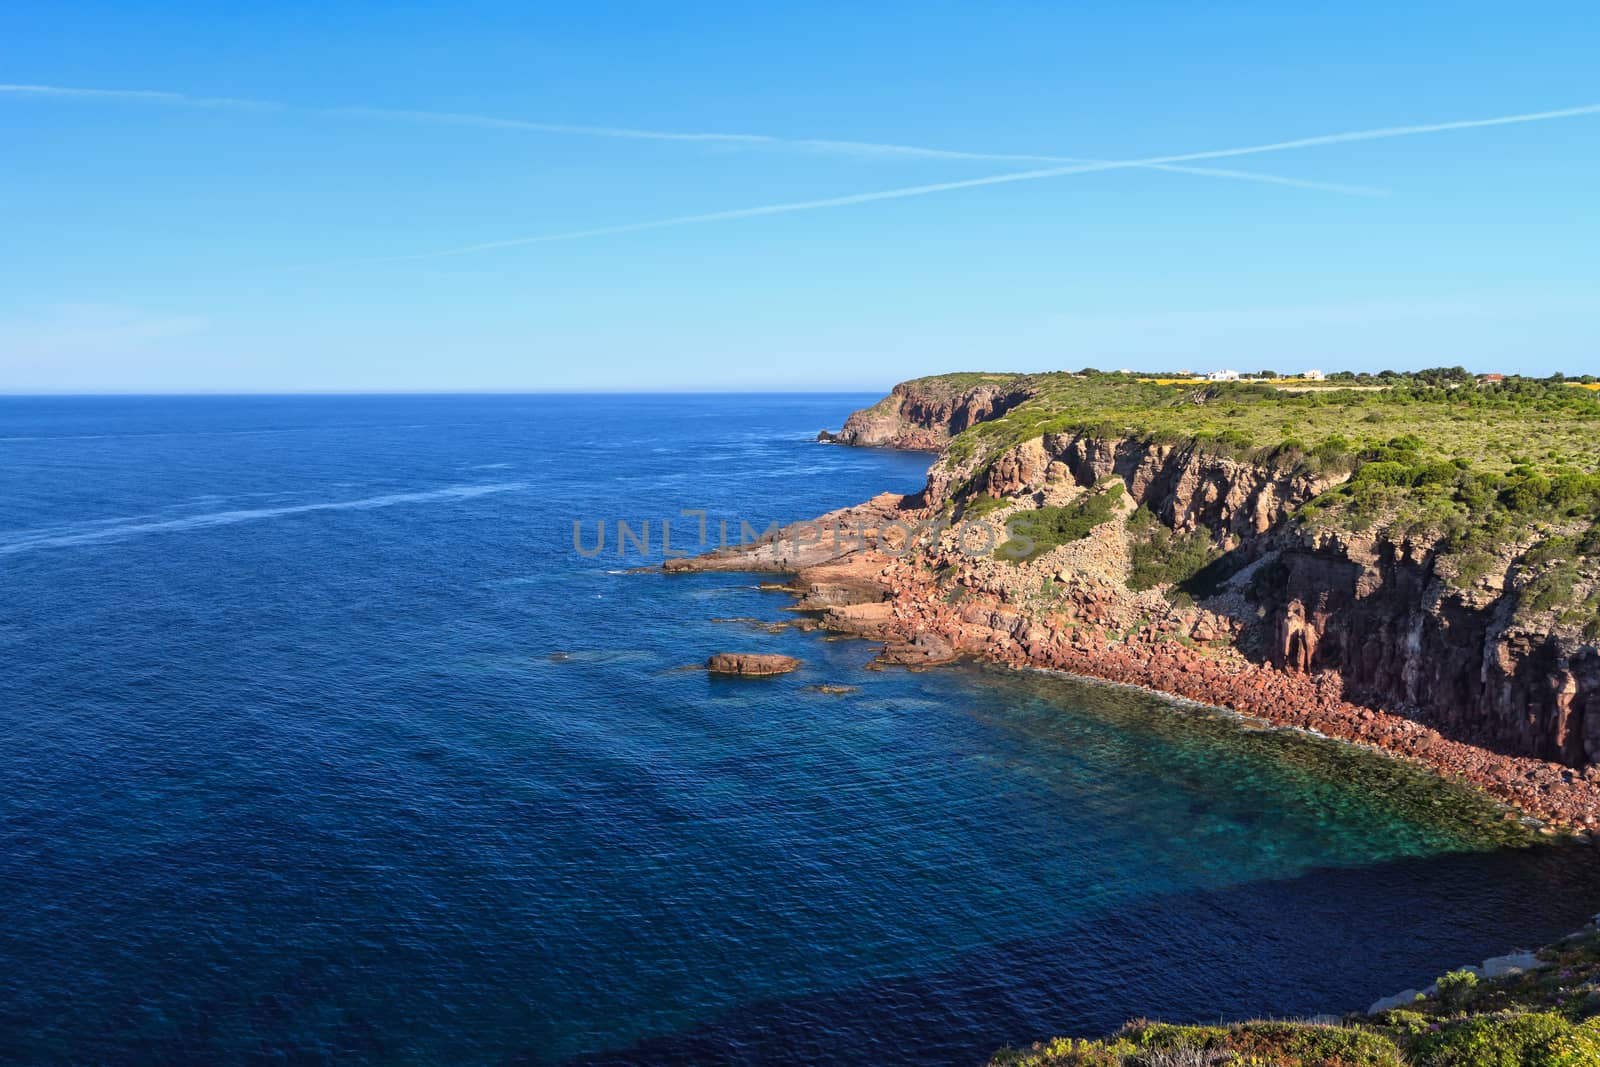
(1162, 556)
(1405, 1021)
(1316, 1044)
(1442, 472)
(1457, 989)
(1172, 1057)
(1535, 1039)
(1572, 490)
(1061, 1052)
(979, 506)
(1528, 494)
(1147, 1035)
(1033, 533)
(1382, 472)
(1264, 1042)
(1551, 589)
(1552, 550)
(1578, 1047)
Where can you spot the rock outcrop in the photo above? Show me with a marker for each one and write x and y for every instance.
(923, 415)
(1398, 635)
(1185, 486)
(751, 663)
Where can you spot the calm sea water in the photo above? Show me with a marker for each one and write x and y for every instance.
(323, 745)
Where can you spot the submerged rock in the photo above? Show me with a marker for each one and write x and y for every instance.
(750, 663)
(761, 624)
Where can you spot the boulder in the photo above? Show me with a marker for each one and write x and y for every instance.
(1402, 999)
(750, 663)
(923, 650)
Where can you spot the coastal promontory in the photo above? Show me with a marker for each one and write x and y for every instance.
(1408, 561)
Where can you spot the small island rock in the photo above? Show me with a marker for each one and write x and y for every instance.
(750, 663)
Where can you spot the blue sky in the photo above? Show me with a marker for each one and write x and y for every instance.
(309, 235)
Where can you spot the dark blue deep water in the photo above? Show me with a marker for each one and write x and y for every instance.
(322, 745)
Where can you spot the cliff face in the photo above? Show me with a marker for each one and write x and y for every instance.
(1398, 635)
(923, 415)
(1184, 486)
(1372, 612)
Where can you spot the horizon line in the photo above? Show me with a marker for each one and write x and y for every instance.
(432, 391)
(696, 390)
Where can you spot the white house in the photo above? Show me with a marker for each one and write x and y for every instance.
(1314, 375)
(1223, 376)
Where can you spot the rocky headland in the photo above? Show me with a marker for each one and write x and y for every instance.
(924, 415)
(1383, 566)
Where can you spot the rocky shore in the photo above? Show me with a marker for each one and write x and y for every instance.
(1348, 638)
(872, 594)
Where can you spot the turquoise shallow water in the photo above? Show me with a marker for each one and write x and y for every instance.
(325, 746)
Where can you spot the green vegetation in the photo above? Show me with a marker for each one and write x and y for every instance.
(1448, 414)
(1472, 512)
(1162, 556)
(1457, 989)
(1476, 470)
(1543, 1018)
(1143, 1044)
(948, 385)
(979, 506)
(1538, 1039)
(1033, 533)
(1558, 570)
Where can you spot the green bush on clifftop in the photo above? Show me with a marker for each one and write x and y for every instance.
(1445, 414)
(1468, 468)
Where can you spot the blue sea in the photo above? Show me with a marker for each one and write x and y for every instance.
(322, 744)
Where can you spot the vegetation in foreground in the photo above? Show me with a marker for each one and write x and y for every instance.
(1543, 1018)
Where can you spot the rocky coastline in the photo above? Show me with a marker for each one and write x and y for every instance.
(1343, 638)
(878, 597)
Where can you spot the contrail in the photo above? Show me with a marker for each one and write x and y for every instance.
(1382, 133)
(90, 533)
(1071, 165)
(149, 96)
(452, 118)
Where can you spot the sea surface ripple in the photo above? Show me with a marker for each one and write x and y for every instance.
(325, 746)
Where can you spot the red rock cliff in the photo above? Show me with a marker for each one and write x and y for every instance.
(1378, 614)
(923, 415)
